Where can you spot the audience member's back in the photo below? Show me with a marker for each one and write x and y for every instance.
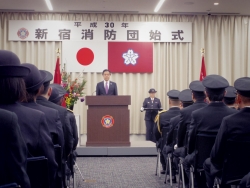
(13, 158)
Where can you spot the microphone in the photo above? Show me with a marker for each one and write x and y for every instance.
(93, 92)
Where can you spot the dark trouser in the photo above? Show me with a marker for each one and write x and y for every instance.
(149, 130)
(211, 172)
(167, 150)
(245, 182)
(188, 161)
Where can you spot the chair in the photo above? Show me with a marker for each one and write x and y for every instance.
(203, 146)
(168, 160)
(11, 185)
(58, 158)
(37, 170)
(159, 146)
(236, 163)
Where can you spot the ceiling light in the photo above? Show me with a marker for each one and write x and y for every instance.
(158, 6)
(49, 5)
(216, 3)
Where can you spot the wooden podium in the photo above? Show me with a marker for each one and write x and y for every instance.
(108, 120)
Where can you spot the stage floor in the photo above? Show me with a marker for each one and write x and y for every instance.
(137, 148)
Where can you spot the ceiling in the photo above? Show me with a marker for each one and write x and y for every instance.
(225, 7)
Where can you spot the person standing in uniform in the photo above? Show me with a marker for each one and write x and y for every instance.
(106, 87)
(207, 119)
(234, 127)
(155, 103)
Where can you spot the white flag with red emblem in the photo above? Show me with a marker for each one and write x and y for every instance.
(85, 56)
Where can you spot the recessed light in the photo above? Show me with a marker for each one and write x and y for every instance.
(216, 3)
(189, 3)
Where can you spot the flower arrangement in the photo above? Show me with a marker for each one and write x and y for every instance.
(74, 88)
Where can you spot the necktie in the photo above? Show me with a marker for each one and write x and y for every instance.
(106, 87)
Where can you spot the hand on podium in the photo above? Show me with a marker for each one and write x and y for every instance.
(142, 109)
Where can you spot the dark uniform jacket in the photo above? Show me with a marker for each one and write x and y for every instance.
(53, 121)
(150, 114)
(13, 157)
(185, 120)
(233, 127)
(207, 119)
(174, 124)
(165, 119)
(72, 120)
(100, 89)
(68, 136)
(35, 133)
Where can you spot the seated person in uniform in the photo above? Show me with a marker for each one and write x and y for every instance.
(164, 118)
(198, 96)
(233, 127)
(33, 124)
(185, 98)
(207, 119)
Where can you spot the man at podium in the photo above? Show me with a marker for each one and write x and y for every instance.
(106, 87)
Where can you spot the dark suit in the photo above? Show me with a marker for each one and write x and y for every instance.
(164, 119)
(36, 134)
(74, 127)
(233, 127)
(100, 89)
(68, 136)
(53, 121)
(13, 157)
(150, 116)
(207, 119)
(185, 120)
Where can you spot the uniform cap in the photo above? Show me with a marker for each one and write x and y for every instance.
(35, 78)
(197, 86)
(186, 95)
(173, 94)
(230, 92)
(10, 65)
(48, 78)
(214, 81)
(242, 85)
(152, 90)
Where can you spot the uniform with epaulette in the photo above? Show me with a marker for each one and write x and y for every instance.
(153, 103)
(163, 121)
(209, 118)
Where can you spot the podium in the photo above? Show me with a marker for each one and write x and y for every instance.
(108, 120)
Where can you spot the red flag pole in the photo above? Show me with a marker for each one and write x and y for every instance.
(203, 72)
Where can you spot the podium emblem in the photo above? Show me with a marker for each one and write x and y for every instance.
(107, 121)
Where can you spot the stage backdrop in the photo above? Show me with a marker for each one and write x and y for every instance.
(225, 39)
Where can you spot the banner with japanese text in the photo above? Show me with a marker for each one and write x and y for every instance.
(37, 30)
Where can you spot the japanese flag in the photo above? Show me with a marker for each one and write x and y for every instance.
(87, 56)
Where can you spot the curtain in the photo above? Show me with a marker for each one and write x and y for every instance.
(225, 40)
